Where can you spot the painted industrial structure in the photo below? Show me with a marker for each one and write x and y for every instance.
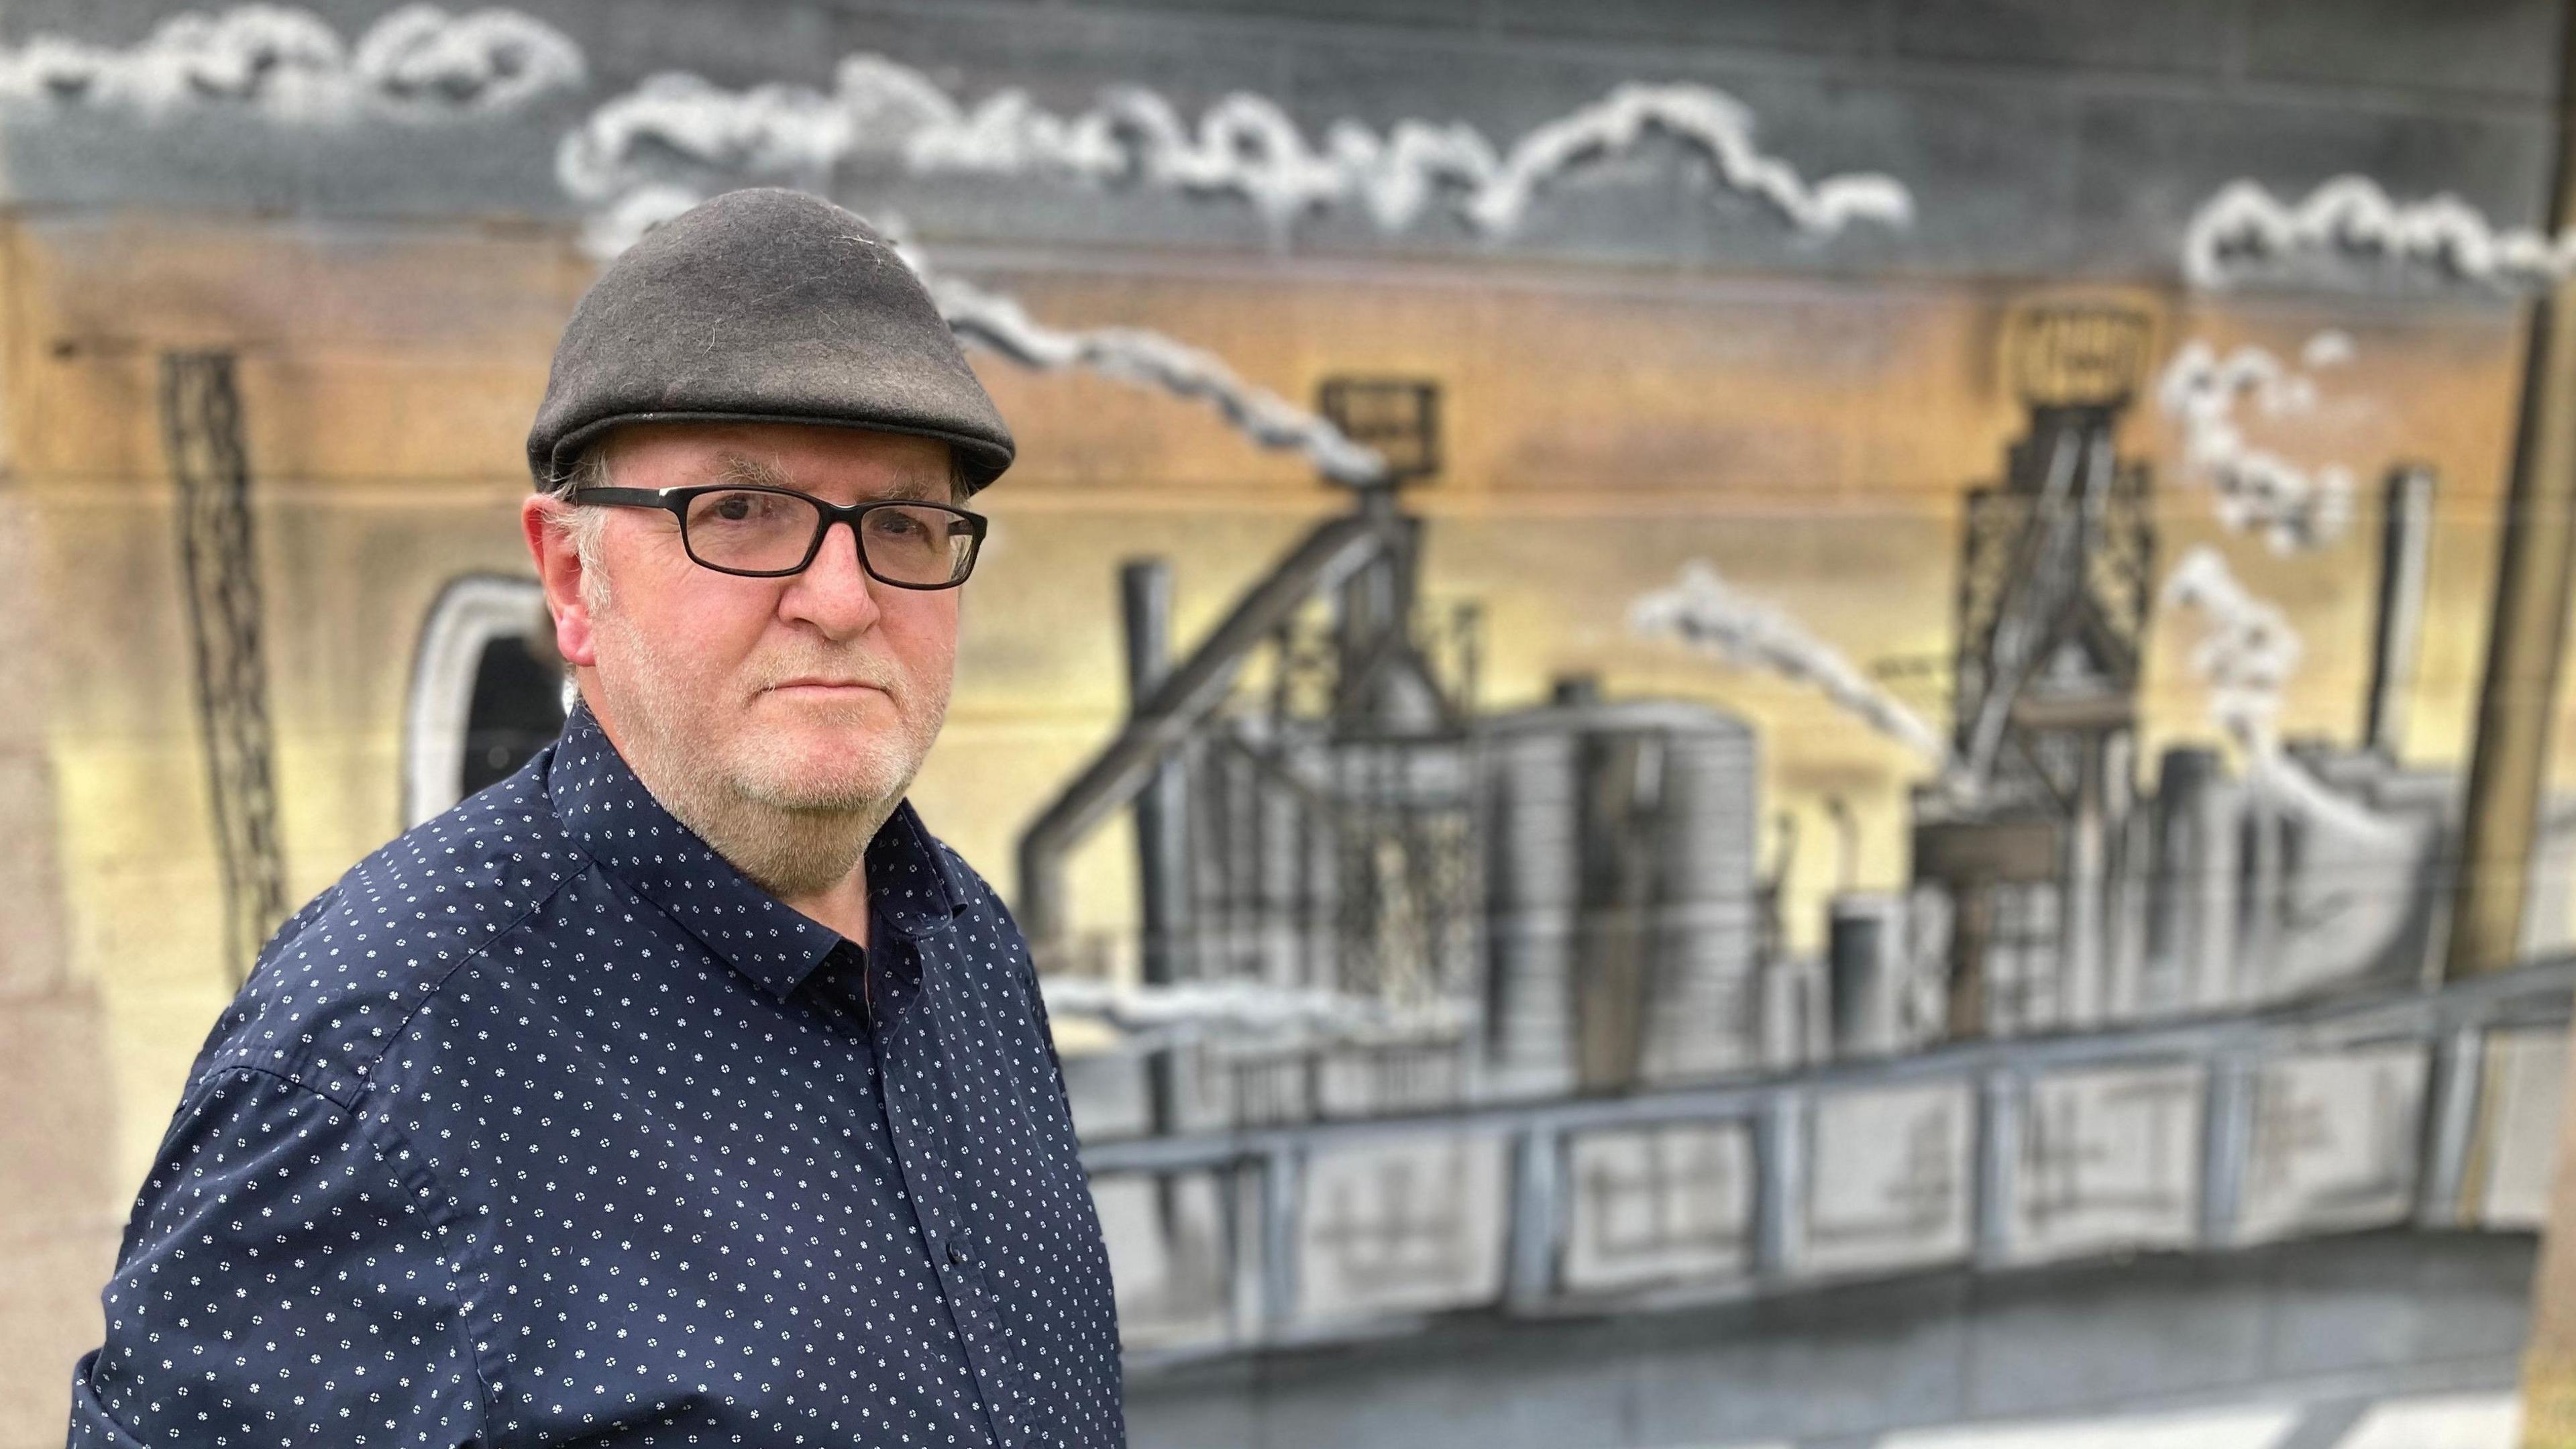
(1646, 779)
(1567, 897)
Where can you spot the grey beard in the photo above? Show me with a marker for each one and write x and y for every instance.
(790, 853)
(793, 849)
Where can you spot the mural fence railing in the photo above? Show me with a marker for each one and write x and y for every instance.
(2434, 1109)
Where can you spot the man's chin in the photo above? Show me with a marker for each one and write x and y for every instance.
(815, 804)
(822, 751)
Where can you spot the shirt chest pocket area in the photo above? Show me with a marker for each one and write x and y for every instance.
(998, 1062)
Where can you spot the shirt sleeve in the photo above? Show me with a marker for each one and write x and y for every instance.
(288, 1278)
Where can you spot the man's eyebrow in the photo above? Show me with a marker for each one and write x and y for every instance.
(749, 471)
(917, 485)
(744, 470)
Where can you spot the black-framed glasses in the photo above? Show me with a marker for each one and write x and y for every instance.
(764, 532)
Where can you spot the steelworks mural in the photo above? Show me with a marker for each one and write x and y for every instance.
(1698, 757)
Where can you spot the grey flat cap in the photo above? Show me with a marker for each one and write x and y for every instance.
(763, 305)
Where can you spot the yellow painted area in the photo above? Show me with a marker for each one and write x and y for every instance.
(1812, 439)
(2549, 1402)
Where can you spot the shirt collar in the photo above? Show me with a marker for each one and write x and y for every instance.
(606, 811)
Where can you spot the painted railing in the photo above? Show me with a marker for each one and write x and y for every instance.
(2436, 1108)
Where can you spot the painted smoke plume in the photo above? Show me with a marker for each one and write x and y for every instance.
(1150, 360)
(1244, 147)
(2253, 489)
(2246, 656)
(417, 62)
(1702, 609)
(2351, 231)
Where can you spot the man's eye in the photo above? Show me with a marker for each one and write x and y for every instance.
(735, 508)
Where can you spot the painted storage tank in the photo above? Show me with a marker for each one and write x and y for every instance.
(1620, 894)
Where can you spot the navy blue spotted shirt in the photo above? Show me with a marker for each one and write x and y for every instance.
(545, 1126)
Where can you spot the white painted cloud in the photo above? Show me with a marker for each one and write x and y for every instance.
(1705, 611)
(644, 156)
(2255, 490)
(2350, 230)
(488, 60)
(290, 65)
(1245, 146)
(619, 225)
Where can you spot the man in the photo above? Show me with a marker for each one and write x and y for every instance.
(681, 1088)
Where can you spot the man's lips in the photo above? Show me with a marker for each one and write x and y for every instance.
(822, 686)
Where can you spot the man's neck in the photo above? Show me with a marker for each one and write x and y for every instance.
(843, 907)
(815, 863)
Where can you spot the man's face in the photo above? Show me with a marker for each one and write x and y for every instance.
(817, 692)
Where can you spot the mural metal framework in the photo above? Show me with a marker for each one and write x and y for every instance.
(201, 423)
(2055, 573)
(1981, 1162)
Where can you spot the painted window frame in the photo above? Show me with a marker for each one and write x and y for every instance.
(469, 613)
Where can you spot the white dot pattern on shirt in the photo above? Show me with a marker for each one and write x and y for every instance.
(302, 1288)
(586, 1132)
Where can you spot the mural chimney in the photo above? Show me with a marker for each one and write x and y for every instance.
(2405, 540)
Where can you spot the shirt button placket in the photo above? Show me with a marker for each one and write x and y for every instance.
(978, 1325)
(909, 1050)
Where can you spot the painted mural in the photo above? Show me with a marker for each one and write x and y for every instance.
(1722, 725)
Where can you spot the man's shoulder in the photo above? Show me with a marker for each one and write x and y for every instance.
(336, 984)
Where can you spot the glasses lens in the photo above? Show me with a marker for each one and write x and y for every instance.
(746, 528)
(916, 544)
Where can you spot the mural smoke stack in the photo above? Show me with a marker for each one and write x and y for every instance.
(2405, 540)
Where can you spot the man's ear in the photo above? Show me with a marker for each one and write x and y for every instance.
(543, 518)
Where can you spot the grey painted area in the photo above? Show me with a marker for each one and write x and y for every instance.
(2324, 1321)
(2035, 137)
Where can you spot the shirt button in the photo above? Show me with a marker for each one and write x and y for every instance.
(957, 1252)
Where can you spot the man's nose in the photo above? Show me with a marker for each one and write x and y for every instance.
(834, 593)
